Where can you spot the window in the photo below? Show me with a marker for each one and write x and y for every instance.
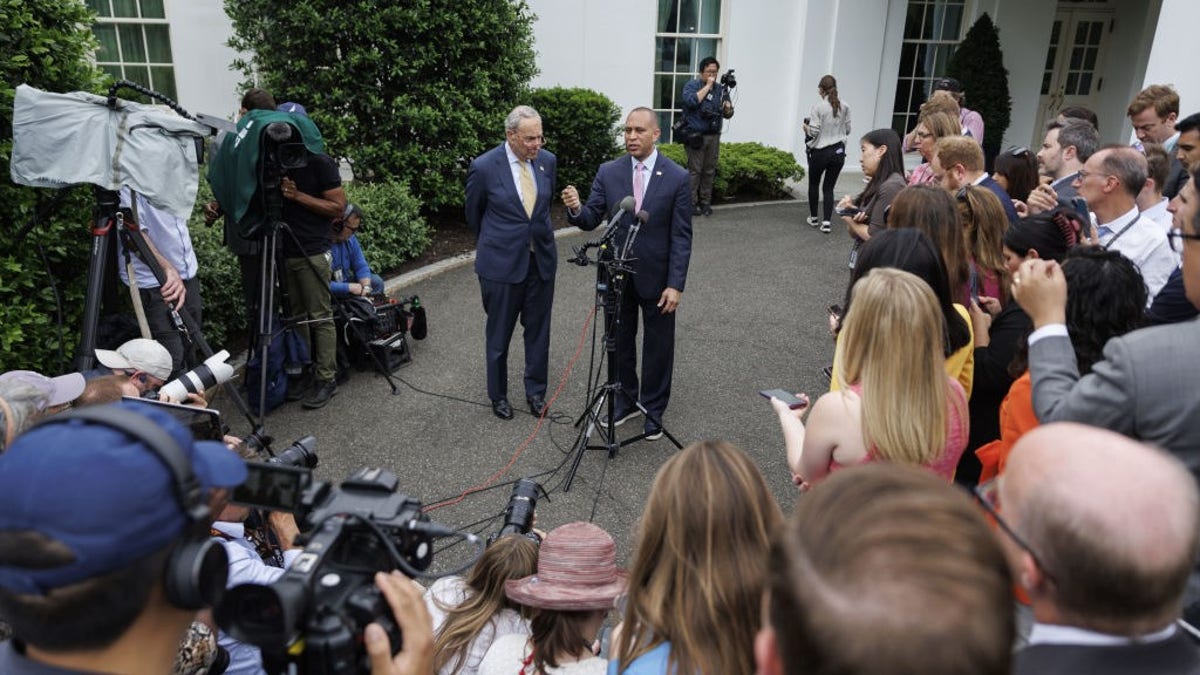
(687, 31)
(932, 31)
(135, 43)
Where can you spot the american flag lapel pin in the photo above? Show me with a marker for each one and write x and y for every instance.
(657, 173)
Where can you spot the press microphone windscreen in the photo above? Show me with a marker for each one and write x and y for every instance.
(628, 204)
(420, 325)
(643, 217)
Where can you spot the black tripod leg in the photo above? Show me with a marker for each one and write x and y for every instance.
(379, 365)
(583, 442)
(107, 204)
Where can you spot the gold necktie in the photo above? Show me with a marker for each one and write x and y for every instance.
(528, 190)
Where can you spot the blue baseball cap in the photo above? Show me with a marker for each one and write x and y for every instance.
(100, 492)
(292, 107)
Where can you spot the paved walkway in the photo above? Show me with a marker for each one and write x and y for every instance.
(752, 317)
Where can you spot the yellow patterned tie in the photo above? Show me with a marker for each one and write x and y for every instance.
(528, 190)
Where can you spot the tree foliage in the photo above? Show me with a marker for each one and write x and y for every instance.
(581, 128)
(407, 91)
(979, 64)
(746, 170)
(48, 44)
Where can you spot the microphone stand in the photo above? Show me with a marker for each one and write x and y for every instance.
(612, 267)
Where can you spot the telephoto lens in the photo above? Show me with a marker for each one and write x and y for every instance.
(302, 453)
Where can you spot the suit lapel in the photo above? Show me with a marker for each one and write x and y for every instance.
(506, 179)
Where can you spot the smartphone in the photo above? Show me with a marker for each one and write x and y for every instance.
(787, 397)
(204, 423)
(850, 211)
(277, 487)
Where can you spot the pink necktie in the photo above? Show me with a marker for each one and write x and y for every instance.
(639, 186)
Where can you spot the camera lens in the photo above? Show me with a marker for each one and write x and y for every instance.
(301, 454)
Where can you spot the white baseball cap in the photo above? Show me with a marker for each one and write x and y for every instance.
(138, 354)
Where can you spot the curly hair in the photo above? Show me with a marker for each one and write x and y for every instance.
(1106, 298)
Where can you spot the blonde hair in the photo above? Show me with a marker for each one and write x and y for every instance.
(941, 101)
(940, 124)
(903, 399)
(510, 557)
(699, 567)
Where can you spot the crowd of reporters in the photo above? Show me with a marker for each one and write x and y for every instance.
(1001, 353)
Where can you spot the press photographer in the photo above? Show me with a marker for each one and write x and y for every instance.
(706, 105)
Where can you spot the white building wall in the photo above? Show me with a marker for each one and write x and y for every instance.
(1172, 55)
(604, 45)
(203, 79)
(1024, 27)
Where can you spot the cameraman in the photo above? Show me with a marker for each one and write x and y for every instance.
(705, 105)
(89, 519)
(351, 274)
(250, 564)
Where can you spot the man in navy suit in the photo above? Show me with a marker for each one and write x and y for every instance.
(1101, 532)
(509, 189)
(957, 162)
(660, 254)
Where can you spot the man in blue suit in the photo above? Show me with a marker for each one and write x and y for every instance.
(660, 254)
(509, 189)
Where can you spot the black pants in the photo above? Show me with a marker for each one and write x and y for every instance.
(824, 167)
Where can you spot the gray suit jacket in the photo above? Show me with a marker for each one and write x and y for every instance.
(1147, 387)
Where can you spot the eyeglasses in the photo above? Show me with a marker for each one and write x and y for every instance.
(1084, 174)
(1174, 235)
(988, 496)
(922, 134)
(1017, 152)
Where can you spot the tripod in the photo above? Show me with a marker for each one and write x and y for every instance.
(612, 273)
(110, 222)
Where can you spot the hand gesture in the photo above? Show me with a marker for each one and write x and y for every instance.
(416, 657)
(1042, 198)
(1041, 289)
(570, 197)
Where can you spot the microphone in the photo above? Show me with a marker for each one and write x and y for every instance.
(626, 206)
(643, 217)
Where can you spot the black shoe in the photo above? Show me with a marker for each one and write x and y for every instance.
(653, 431)
(322, 392)
(537, 404)
(502, 409)
(699, 210)
(708, 209)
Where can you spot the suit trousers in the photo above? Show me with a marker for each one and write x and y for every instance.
(658, 352)
(503, 303)
(702, 167)
(162, 326)
(307, 282)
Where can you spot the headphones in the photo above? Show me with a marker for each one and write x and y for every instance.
(197, 566)
(340, 223)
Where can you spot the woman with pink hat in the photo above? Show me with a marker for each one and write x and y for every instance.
(576, 583)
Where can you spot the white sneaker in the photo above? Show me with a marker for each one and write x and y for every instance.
(826, 227)
(812, 221)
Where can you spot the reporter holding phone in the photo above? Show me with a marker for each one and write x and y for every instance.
(882, 162)
(903, 409)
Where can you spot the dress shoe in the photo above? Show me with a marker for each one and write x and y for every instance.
(322, 392)
(502, 409)
(537, 404)
(620, 418)
(699, 210)
(708, 209)
(653, 431)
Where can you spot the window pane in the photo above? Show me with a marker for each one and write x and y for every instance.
(106, 33)
(113, 71)
(132, 48)
(952, 25)
(668, 16)
(164, 80)
(908, 59)
(683, 56)
(158, 42)
(100, 7)
(665, 55)
(1077, 58)
(689, 16)
(125, 8)
(1097, 30)
(1085, 84)
(153, 9)
(1046, 83)
(704, 47)
(664, 89)
(1081, 32)
(1072, 84)
(139, 74)
(943, 53)
(1055, 32)
(710, 16)
(912, 22)
(1050, 56)
(1089, 62)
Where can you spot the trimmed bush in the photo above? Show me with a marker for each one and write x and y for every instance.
(746, 170)
(581, 128)
(393, 229)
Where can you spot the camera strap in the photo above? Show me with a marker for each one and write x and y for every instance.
(135, 295)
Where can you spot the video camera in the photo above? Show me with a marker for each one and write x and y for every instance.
(381, 326)
(728, 80)
(313, 616)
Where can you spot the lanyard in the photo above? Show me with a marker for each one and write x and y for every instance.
(1122, 231)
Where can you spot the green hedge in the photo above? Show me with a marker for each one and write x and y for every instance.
(581, 128)
(746, 170)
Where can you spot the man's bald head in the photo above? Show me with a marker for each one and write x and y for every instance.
(1113, 521)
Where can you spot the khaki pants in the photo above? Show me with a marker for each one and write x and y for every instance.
(702, 166)
(307, 282)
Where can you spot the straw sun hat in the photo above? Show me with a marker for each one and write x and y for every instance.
(577, 570)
